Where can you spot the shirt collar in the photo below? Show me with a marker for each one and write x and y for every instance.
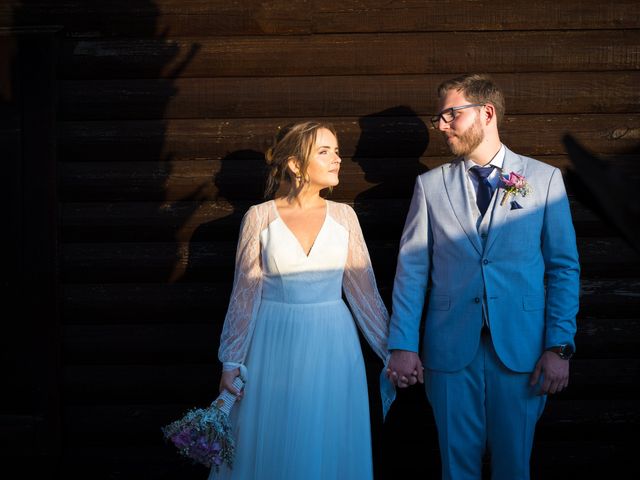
(497, 160)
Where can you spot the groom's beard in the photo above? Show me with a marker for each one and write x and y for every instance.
(465, 143)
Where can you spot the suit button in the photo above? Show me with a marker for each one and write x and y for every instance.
(485, 261)
(477, 299)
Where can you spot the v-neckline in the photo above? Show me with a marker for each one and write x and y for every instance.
(315, 240)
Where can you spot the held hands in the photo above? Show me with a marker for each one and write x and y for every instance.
(554, 371)
(226, 382)
(405, 368)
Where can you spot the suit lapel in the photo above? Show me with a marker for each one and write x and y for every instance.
(500, 214)
(455, 183)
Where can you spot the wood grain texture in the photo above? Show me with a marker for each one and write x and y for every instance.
(330, 96)
(184, 342)
(83, 18)
(236, 180)
(360, 137)
(355, 54)
(199, 261)
(146, 383)
(613, 298)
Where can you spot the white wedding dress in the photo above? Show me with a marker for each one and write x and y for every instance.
(305, 411)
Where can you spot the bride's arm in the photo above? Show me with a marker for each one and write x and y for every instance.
(361, 290)
(240, 320)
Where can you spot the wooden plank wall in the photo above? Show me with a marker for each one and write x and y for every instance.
(30, 339)
(164, 109)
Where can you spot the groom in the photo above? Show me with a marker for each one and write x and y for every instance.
(489, 246)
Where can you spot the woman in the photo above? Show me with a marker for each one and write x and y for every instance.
(304, 412)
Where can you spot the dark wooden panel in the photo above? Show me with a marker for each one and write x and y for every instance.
(365, 54)
(251, 17)
(132, 423)
(150, 221)
(208, 180)
(419, 15)
(197, 343)
(158, 461)
(532, 93)
(133, 384)
(149, 304)
(202, 261)
(146, 18)
(220, 219)
(363, 137)
(552, 460)
(159, 303)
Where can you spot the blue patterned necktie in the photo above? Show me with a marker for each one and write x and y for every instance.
(484, 189)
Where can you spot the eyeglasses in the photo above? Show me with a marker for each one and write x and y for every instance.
(449, 115)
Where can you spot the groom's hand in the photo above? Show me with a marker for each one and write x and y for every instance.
(405, 368)
(554, 371)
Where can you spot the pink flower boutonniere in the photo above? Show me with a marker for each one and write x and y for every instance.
(514, 184)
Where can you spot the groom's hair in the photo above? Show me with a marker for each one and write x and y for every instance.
(477, 88)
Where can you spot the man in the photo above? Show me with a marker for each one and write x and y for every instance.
(489, 243)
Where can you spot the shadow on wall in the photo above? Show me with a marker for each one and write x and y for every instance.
(607, 188)
(391, 144)
(218, 211)
(388, 151)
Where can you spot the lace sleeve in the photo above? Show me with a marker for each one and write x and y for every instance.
(245, 296)
(359, 285)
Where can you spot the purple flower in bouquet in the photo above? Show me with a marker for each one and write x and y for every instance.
(205, 435)
(514, 184)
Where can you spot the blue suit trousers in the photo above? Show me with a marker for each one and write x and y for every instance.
(484, 406)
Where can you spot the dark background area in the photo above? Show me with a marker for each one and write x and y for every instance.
(132, 135)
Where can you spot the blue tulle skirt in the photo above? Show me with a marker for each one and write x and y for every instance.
(305, 411)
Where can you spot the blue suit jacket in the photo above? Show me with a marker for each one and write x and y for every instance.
(527, 274)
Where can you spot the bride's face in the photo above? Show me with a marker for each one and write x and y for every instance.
(324, 163)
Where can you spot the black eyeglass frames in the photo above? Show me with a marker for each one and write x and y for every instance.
(448, 115)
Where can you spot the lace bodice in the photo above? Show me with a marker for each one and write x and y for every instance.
(271, 265)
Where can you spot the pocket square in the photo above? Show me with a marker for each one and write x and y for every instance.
(515, 205)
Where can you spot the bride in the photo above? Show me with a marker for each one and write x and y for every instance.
(305, 410)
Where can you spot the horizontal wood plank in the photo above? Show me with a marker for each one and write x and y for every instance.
(165, 304)
(149, 304)
(551, 460)
(368, 137)
(214, 220)
(237, 180)
(252, 17)
(582, 420)
(198, 383)
(531, 93)
(135, 343)
(354, 54)
(418, 15)
(199, 261)
(82, 18)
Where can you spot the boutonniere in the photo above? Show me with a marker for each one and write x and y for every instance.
(514, 184)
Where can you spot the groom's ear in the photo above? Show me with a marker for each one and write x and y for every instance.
(489, 113)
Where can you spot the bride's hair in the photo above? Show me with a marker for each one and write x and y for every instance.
(293, 141)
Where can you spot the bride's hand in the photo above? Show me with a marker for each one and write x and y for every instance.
(226, 382)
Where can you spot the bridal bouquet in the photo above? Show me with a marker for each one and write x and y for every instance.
(204, 435)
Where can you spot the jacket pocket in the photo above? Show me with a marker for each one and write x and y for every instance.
(533, 302)
(439, 302)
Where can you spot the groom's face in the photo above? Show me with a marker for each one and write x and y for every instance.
(464, 133)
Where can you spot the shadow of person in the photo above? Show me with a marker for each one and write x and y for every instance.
(388, 151)
(606, 188)
(210, 235)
